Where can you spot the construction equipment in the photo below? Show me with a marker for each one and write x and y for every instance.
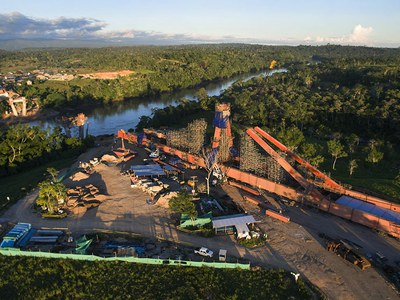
(217, 173)
(157, 133)
(154, 154)
(345, 251)
(306, 192)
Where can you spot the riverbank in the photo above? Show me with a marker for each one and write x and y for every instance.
(41, 114)
(109, 118)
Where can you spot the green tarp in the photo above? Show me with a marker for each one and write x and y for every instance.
(82, 244)
(199, 221)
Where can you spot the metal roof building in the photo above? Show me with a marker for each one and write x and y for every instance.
(372, 209)
(232, 220)
(147, 170)
(238, 221)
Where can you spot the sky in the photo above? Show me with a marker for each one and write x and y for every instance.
(348, 22)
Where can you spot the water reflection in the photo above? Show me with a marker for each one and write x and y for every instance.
(109, 119)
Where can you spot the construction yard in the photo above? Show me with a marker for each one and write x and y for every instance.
(296, 246)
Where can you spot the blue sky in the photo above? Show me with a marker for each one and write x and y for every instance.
(375, 23)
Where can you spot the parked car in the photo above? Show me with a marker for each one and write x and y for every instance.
(222, 255)
(204, 252)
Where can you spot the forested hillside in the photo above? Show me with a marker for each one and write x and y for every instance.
(155, 70)
(166, 69)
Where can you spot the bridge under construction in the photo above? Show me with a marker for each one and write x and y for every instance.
(264, 163)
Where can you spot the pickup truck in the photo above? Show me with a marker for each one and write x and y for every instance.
(204, 252)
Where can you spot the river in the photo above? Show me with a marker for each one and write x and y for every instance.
(125, 114)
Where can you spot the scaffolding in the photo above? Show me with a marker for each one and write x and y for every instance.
(177, 139)
(250, 157)
(252, 160)
(274, 171)
(196, 134)
(190, 139)
(224, 145)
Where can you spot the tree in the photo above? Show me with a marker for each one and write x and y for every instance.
(308, 79)
(352, 166)
(309, 153)
(352, 142)
(374, 155)
(183, 203)
(397, 179)
(336, 150)
(51, 192)
(53, 173)
(291, 137)
(209, 166)
(374, 143)
(55, 99)
(203, 98)
(16, 142)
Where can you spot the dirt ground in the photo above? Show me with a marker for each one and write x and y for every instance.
(295, 246)
(107, 75)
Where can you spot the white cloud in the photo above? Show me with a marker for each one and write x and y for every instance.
(15, 25)
(18, 26)
(308, 38)
(359, 36)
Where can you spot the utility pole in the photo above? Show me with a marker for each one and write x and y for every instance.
(194, 180)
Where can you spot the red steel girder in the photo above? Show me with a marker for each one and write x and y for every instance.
(343, 211)
(217, 137)
(316, 195)
(328, 182)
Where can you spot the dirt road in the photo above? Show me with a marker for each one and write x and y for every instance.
(291, 246)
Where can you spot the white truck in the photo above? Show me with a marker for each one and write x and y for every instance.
(155, 154)
(222, 255)
(204, 252)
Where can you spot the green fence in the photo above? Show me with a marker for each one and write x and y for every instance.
(152, 261)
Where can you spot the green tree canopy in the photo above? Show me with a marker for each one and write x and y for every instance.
(352, 166)
(291, 137)
(183, 203)
(204, 99)
(336, 150)
(309, 153)
(352, 142)
(51, 192)
(374, 155)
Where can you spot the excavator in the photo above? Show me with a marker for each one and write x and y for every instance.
(347, 252)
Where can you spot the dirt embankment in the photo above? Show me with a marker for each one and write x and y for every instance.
(35, 115)
(106, 75)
